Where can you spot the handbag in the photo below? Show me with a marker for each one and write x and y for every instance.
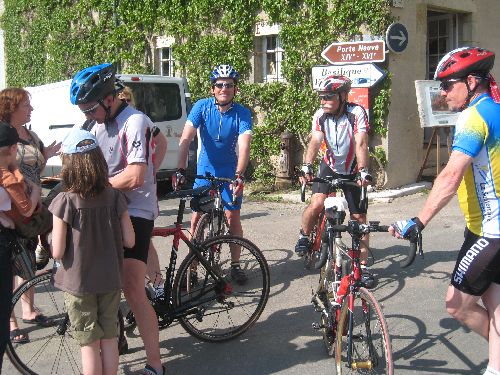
(38, 223)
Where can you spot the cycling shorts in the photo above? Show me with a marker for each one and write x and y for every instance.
(227, 193)
(478, 264)
(351, 194)
(143, 229)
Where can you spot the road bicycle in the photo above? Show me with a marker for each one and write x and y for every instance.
(206, 301)
(316, 254)
(213, 222)
(353, 325)
(201, 294)
(312, 259)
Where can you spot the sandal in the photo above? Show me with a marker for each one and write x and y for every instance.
(40, 320)
(17, 337)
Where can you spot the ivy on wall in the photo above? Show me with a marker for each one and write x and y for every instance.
(49, 40)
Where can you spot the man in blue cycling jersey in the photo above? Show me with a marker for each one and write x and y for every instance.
(473, 171)
(224, 130)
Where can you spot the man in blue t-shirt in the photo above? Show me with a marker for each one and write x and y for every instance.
(224, 131)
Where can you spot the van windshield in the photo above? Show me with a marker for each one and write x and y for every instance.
(160, 101)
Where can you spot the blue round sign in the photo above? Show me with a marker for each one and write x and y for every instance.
(396, 37)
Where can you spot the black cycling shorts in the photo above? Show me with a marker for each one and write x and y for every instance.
(351, 194)
(478, 264)
(143, 229)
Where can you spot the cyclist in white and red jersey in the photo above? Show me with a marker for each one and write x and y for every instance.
(473, 171)
(340, 134)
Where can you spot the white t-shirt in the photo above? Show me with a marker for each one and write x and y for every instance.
(125, 141)
(5, 202)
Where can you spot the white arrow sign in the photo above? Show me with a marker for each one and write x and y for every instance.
(401, 37)
(361, 75)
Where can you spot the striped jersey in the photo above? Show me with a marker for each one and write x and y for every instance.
(338, 149)
(478, 135)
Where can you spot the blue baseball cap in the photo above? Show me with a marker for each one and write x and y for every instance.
(79, 141)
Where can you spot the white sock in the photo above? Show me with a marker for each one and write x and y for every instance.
(491, 371)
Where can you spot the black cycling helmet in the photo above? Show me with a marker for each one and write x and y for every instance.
(92, 84)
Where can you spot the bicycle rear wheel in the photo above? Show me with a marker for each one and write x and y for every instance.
(222, 312)
(208, 227)
(371, 344)
(53, 349)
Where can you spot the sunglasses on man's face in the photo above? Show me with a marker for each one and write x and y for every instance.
(448, 84)
(328, 97)
(227, 85)
(91, 110)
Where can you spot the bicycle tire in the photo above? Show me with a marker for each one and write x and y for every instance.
(371, 343)
(204, 227)
(53, 349)
(225, 315)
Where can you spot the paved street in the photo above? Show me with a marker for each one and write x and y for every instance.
(424, 339)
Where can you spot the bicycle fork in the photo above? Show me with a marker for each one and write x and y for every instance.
(372, 361)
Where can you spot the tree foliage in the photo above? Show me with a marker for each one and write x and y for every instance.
(49, 40)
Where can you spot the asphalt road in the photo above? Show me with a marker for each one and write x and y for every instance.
(425, 339)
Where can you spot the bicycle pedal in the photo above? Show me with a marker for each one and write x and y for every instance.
(199, 314)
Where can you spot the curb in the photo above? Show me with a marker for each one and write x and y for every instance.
(383, 196)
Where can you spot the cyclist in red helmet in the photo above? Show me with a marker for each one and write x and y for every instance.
(340, 135)
(473, 171)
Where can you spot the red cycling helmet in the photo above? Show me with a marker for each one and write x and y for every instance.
(463, 61)
(334, 84)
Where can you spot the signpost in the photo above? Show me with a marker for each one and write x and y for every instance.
(396, 37)
(355, 52)
(361, 75)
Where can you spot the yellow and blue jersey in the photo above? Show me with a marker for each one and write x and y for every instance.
(478, 135)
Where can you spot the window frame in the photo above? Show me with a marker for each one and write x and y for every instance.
(170, 60)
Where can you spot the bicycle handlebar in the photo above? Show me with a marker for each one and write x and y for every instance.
(214, 180)
(335, 183)
(210, 177)
(356, 229)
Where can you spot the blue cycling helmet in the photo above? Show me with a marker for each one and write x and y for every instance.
(224, 71)
(92, 84)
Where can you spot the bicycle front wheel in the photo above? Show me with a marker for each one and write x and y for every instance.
(371, 351)
(215, 312)
(51, 349)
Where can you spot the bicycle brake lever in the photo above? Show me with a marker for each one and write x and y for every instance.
(420, 249)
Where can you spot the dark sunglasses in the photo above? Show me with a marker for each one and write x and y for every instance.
(448, 84)
(328, 97)
(91, 110)
(227, 85)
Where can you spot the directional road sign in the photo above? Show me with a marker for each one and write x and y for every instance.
(355, 52)
(361, 75)
(396, 37)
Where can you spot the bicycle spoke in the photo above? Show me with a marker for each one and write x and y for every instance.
(232, 307)
(371, 347)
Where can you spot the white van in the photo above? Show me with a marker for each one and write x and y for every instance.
(166, 100)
